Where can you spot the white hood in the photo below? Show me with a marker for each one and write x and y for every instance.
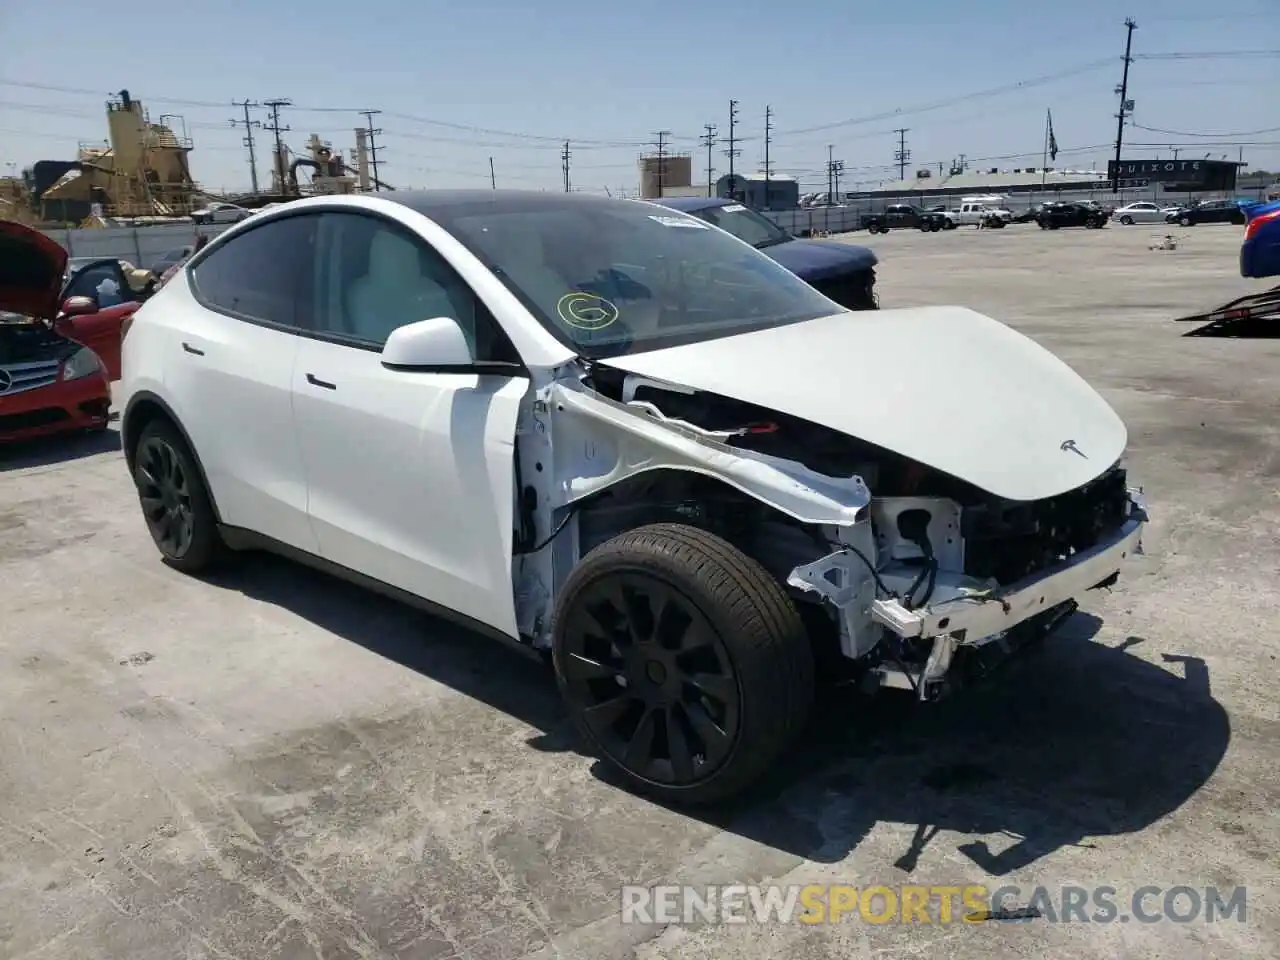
(944, 386)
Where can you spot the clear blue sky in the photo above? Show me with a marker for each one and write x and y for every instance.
(607, 78)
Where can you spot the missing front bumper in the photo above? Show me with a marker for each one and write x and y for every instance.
(980, 615)
(967, 616)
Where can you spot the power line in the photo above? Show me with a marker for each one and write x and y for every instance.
(1212, 55)
(1125, 104)
(248, 139)
(372, 135)
(902, 154)
(564, 164)
(951, 101)
(275, 128)
(709, 141)
(1219, 136)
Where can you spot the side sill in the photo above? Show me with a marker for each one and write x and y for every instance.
(237, 538)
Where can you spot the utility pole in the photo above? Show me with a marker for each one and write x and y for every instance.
(1123, 90)
(275, 128)
(248, 138)
(902, 154)
(564, 165)
(733, 150)
(493, 181)
(768, 167)
(373, 144)
(662, 158)
(709, 141)
(834, 169)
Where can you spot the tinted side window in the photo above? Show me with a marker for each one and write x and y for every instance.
(264, 274)
(373, 276)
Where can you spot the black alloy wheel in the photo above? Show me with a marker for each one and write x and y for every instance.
(654, 682)
(165, 494)
(682, 662)
(174, 502)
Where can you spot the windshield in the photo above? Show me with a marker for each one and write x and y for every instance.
(620, 276)
(745, 224)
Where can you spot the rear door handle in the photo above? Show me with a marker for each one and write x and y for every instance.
(317, 382)
(190, 349)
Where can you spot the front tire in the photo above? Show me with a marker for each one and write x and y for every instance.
(1127, 220)
(683, 663)
(174, 502)
(1185, 222)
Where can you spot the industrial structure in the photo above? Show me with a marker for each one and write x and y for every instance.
(668, 175)
(142, 170)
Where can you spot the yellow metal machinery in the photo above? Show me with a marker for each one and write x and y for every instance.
(144, 171)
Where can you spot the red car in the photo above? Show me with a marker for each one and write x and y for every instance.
(59, 345)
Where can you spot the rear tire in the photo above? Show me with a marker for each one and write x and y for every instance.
(174, 501)
(682, 662)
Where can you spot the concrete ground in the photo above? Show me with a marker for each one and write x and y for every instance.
(274, 765)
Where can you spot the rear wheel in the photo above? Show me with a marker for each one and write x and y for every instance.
(683, 663)
(174, 502)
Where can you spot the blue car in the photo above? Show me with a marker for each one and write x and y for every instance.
(1260, 252)
(841, 271)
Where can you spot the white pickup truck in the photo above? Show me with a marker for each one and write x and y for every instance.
(979, 214)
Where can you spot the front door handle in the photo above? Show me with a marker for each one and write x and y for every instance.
(190, 349)
(317, 382)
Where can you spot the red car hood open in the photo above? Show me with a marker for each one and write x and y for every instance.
(31, 267)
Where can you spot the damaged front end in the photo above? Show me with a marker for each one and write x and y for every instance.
(958, 588)
(906, 576)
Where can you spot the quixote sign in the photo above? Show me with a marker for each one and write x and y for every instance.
(1206, 174)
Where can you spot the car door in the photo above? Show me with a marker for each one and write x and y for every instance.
(410, 474)
(235, 316)
(104, 283)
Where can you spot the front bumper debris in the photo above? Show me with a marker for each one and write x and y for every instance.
(966, 616)
(985, 614)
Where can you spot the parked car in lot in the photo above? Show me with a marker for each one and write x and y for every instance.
(1055, 215)
(603, 430)
(1211, 211)
(1142, 211)
(842, 271)
(220, 213)
(979, 215)
(171, 257)
(1260, 251)
(52, 379)
(904, 215)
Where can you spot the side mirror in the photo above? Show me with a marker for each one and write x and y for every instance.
(426, 344)
(79, 306)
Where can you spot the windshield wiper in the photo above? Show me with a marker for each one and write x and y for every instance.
(771, 242)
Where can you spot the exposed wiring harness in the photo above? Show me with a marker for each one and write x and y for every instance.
(564, 521)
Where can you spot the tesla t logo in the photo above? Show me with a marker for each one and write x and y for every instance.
(6, 381)
(1069, 446)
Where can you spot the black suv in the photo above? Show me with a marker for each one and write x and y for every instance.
(1212, 211)
(1055, 215)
